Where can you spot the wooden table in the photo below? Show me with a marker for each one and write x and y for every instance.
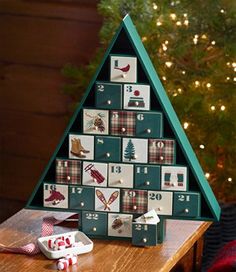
(182, 248)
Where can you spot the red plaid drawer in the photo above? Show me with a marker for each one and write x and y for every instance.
(134, 201)
(68, 171)
(161, 151)
(123, 123)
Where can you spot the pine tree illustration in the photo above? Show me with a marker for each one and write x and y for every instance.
(129, 151)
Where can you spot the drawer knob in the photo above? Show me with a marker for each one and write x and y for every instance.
(186, 210)
(135, 207)
(135, 156)
(145, 240)
(149, 130)
(121, 181)
(147, 183)
(161, 158)
(94, 180)
(136, 103)
(159, 209)
(96, 127)
(109, 102)
(94, 229)
(123, 75)
(108, 155)
(123, 129)
(68, 177)
(82, 204)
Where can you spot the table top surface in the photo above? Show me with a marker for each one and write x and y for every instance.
(107, 255)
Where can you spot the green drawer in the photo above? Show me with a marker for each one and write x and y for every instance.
(147, 177)
(149, 124)
(107, 148)
(187, 204)
(144, 234)
(94, 223)
(81, 198)
(108, 95)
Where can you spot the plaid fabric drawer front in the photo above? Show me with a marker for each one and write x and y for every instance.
(161, 151)
(134, 201)
(68, 171)
(123, 123)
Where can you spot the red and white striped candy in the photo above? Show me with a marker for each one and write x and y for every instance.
(62, 264)
(71, 258)
(70, 240)
(59, 245)
(51, 243)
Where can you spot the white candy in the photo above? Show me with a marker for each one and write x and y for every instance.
(62, 264)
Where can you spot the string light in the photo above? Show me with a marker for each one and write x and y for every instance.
(208, 85)
(207, 175)
(178, 23)
(186, 125)
(222, 11)
(213, 108)
(213, 42)
(164, 47)
(186, 22)
(228, 63)
(227, 78)
(183, 72)
(204, 36)
(159, 23)
(179, 90)
(154, 5)
(234, 78)
(185, 15)
(222, 108)
(164, 78)
(168, 64)
(144, 39)
(202, 146)
(197, 83)
(173, 16)
(230, 179)
(166, 42)
(234, 64)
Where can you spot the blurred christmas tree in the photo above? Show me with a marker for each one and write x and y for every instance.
(192, 46)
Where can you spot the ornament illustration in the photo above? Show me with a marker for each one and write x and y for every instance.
(111, 199)
(55, 197)
(136, 101)
(94, 173)
(130, 151)
(96, 122)
(77, 149)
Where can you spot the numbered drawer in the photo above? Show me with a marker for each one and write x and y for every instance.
(135, 150)
(147, 177)
(187, 204)
(161, 151)
(81, 147)
(94, 223)
(144, 234)
(120, 175)
(149, 124)
(107, 199)
(136, 97)
(120, 225)
(107, 148)
(174, 178)
(123, 123)
(95, 121)
(68, 171)
(123, 68)
(55, 195)
(81, 198)
(134, 201)
(108, 95)
(94, 174)
(161, 202)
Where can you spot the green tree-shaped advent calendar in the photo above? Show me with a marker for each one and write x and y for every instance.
(125, 153)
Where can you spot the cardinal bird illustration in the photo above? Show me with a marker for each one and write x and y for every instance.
(123, 69)
(111, 199)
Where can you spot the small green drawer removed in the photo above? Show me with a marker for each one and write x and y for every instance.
(81, 198)
(147, 177)
(108, 95)
(144, 234)
(149, 124)
(186, 204)
(94, 223)
(108, 149)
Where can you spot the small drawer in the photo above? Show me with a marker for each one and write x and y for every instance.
(81, 147)
(135, 150)
(94, 174)
(187, 204)
(95, 121)
(120, 225)
(55, 196)
(107, 149)
(134, 201)
(68, 171)
(120, 175)
(94, 223)
(81, 198)
(161, 151)
(108, 95)
(161, 202)
(147, 177)
(149, 124)
(136, 97)
(123, 123)
(107, 199)
(144, 234)
(174, 178)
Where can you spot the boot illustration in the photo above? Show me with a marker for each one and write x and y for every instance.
(77, 149)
